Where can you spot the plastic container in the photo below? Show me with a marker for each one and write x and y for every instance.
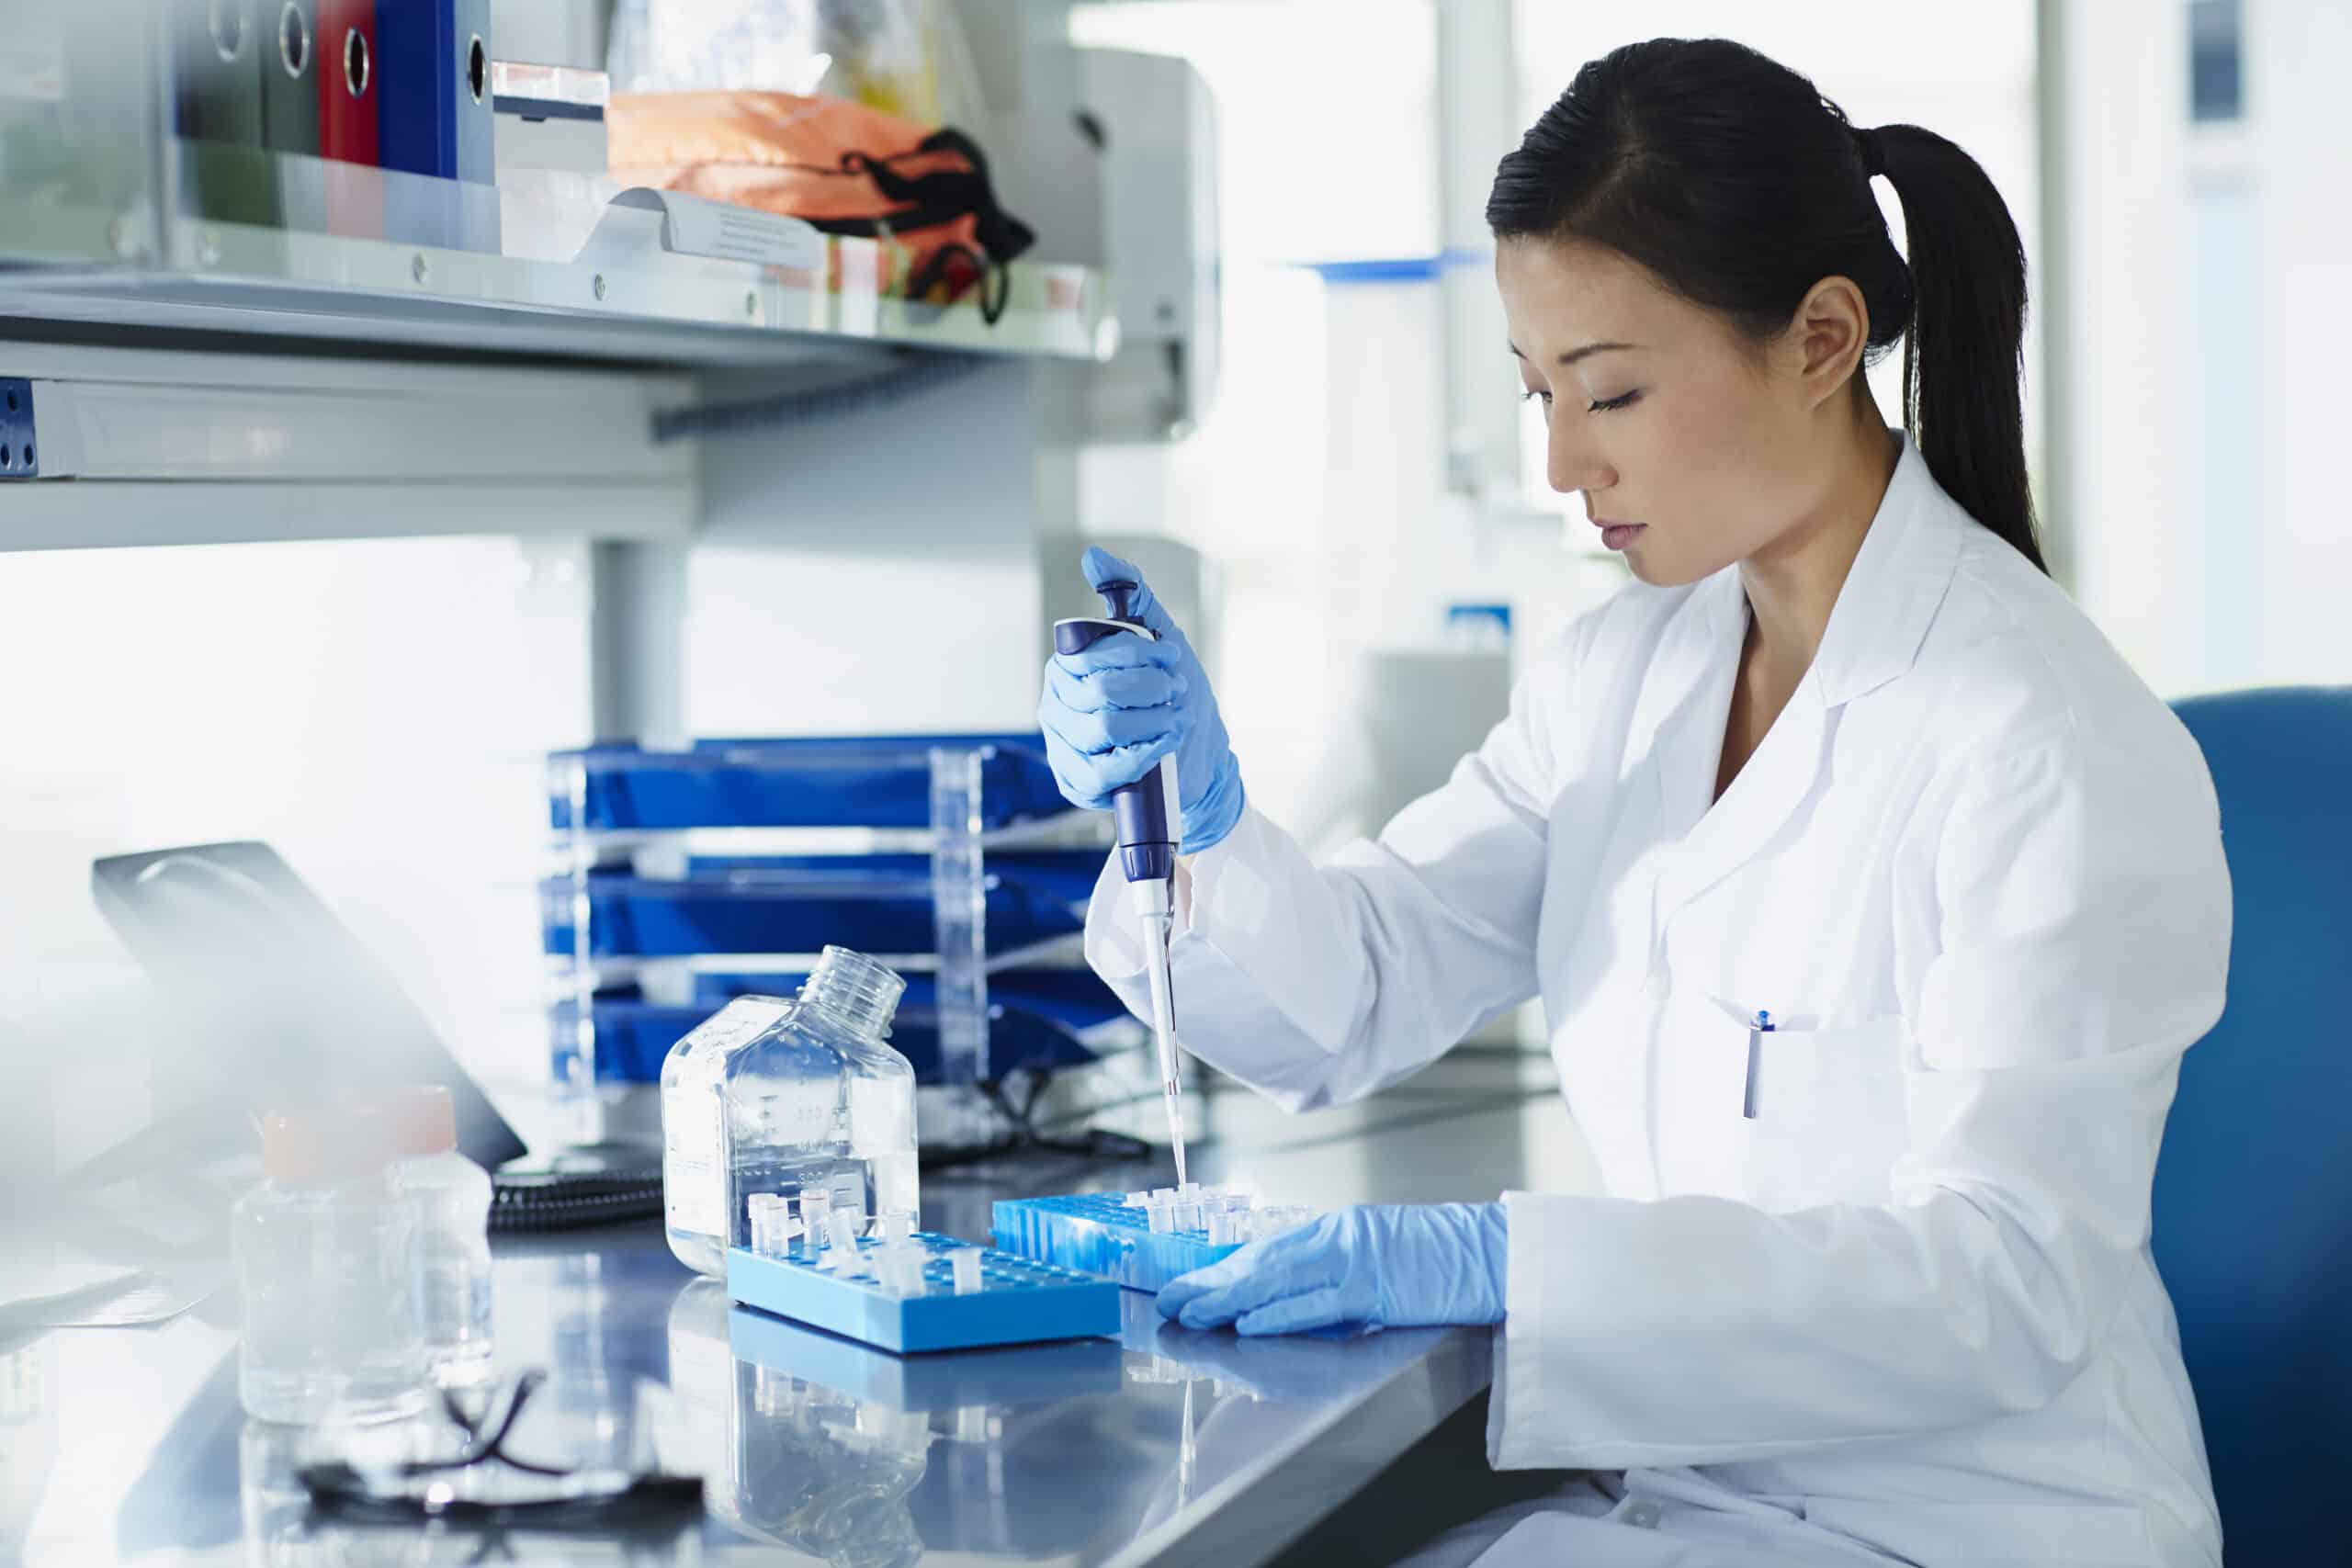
(449, 1256)
(322, 1250)
(694, 1132)
(821, 1106)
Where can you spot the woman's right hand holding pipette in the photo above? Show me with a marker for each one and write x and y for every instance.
(1111, 711)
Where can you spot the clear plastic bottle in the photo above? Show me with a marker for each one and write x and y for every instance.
(822, 1102)
(449, 1256)
(322, 1250)
(694, 1136)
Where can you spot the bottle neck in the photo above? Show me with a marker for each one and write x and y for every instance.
(853, 993)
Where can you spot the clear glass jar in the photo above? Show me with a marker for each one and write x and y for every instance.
(449, 1256)
(321, 1249)
(822, 1102)
(694, 1137)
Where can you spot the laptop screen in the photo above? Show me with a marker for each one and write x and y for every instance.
(279, 1001)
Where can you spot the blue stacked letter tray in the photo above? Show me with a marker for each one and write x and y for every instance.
(634, 1036)
(1096, 1234)
(862, 782)
(786, 912)
(1019, 1300)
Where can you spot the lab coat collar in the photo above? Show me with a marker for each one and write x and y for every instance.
(1894, 587)
(1891, 594)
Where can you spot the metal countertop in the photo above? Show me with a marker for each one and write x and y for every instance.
(127, 1445)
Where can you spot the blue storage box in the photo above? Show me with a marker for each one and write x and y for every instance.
(1066, 875)
(786, 911)
(850, 782)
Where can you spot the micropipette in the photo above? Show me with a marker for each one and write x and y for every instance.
(1150, 815)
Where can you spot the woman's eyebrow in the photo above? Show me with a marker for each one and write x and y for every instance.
(1586, 352)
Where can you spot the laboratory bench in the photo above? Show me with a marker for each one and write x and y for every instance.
(123, 1445)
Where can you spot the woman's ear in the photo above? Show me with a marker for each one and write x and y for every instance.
(1826, 337)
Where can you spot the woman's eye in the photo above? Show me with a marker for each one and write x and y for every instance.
(1530, 397)
(1622, 400)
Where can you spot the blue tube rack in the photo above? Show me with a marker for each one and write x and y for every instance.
(1096, 1234)
(1020, 1300)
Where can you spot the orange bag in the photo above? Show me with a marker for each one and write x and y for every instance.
(844, 167)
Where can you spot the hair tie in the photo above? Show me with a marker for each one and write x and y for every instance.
(1873, 157)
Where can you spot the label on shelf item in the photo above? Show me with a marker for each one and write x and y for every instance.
(697, 226)
(701, 228)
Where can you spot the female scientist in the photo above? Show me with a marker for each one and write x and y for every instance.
(1872, 1284)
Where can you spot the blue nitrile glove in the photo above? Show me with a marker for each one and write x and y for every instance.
(1395, 1265)
(1112, 712)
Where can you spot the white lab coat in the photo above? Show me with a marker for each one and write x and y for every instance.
(1975, 871)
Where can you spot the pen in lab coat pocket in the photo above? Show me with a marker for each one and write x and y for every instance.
(1755, 1033)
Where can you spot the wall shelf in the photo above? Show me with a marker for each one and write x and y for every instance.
(649, 306)
(112, 224)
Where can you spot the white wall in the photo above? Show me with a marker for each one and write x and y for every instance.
(377, 710)
(2233, 560)
(2125, 350)
(872, 574)
(2299, 61)
(2204, 364)
(1315, 474)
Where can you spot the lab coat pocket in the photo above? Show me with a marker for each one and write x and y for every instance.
(1830, 1118)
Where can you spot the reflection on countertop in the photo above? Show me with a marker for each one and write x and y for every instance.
(128, 1444)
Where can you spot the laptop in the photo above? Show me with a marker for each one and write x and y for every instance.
(273, 1001)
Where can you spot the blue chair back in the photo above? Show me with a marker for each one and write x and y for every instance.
(2253, 1200)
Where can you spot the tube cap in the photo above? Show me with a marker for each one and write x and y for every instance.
(319, 1146)
(424, 1119)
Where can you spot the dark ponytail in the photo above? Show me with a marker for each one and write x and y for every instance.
(1734, 182)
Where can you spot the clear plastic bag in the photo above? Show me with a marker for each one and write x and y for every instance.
(904, 57)
(676, 46)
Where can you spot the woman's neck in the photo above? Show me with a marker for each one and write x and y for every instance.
(1792, 583)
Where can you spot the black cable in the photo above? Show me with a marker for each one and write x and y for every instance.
(569, 1202)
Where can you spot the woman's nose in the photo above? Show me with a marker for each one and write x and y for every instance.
(1572, 463)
